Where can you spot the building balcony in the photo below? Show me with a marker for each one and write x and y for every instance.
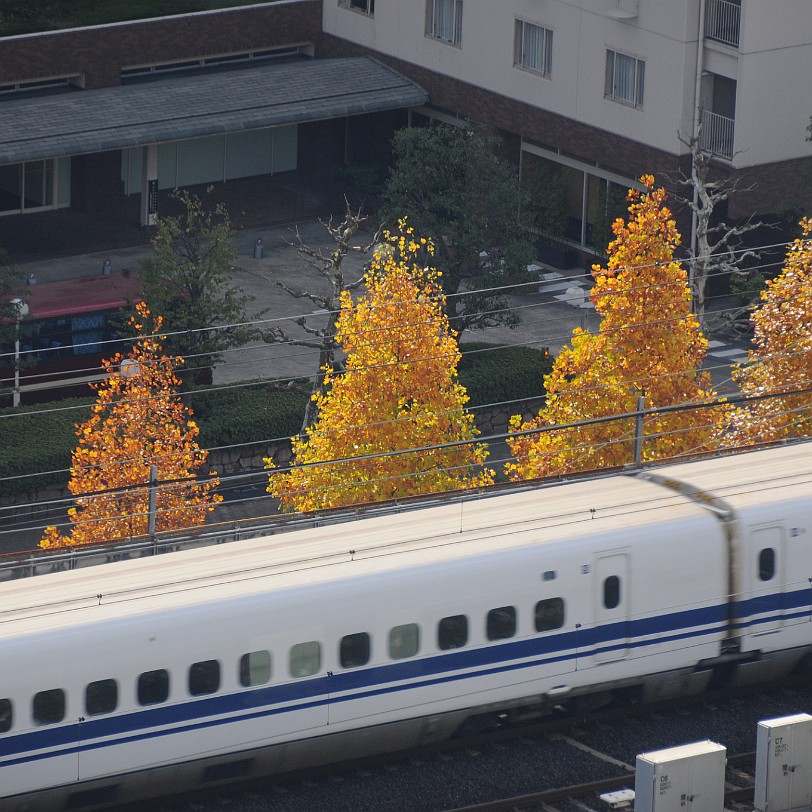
(716, 135)
(722, 21)
(622, 9)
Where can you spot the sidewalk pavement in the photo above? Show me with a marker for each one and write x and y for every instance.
(547, 319)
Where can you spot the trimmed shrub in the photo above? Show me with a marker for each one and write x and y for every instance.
(492, 373)
(248, 413)
(40, 439)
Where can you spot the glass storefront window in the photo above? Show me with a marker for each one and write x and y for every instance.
(33, 185)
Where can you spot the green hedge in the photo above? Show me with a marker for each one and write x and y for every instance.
(493, 373)
(38, 438)
(247, 413)
(41, 438)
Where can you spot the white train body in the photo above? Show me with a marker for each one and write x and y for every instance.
(134, 678)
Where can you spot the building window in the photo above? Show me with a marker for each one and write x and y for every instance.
(452, 632)
(533, 48)
(364, 6)
(624, 78)
(444, 20)
(49, 707)
(6, 715)
(549, 614)
(305, 659)
(501, 623)
(153, 687)
(766, 564)
(204, 677)
(101, 697)
(611, 592)
(255, 668)
(404, 641)
(354, 650)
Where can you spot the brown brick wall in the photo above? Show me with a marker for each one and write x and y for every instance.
(99, 53)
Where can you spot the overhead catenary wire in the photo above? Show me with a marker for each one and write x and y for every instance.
(491, 438)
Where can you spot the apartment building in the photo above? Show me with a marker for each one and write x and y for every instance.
(587, 95)
(592, 93)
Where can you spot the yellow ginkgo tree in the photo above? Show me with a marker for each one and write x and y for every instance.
(398, 391)
(137, 421)
(778, 370)
(648, 344)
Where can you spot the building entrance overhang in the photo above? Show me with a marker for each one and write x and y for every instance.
(194, 106)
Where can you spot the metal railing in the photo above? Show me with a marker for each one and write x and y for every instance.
(716, 135)
(722, 21)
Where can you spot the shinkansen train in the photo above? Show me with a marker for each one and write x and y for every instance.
(130, 679)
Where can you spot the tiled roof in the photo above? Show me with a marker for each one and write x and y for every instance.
(197, 105)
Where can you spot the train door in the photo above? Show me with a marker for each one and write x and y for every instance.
(611, 596)
(766, 579)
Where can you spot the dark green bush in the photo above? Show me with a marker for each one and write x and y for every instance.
(40, 438)
(248, 413)
(493, 373)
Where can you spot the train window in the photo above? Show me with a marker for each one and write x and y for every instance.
(255, 668)
(153, 687)
(204, 677)
(48, 707)
(6, 715)
(452, 632)
(305, 659)
(766, 564)
(101, 697)
(501, 623)
(354, 650)
(404, 641)
(611, 592)
(549, 614)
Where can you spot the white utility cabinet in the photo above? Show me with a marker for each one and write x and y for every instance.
(784, 764)
(688, 778)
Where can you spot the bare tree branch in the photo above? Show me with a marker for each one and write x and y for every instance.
(717, 247)
(330, 267)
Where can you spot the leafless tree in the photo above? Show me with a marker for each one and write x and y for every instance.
(329, 266)
(718, 247)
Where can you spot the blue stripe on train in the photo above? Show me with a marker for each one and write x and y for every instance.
(368, 682)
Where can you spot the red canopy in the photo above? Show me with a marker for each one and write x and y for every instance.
(86, 294)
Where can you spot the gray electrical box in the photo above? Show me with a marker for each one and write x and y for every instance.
(784, 764)
(689, 778)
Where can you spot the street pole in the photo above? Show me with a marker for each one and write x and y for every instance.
(21, 311)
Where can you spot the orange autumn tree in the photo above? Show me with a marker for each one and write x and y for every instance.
(137, 421)
(649, 344)
(781, 360)
(398, 390)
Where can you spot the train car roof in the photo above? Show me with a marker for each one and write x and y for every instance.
(423, 536)
(619, 505)
(750, 478)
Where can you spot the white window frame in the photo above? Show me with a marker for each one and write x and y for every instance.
(538, 59)
(625, 78)
(361, 6)
(442, 25)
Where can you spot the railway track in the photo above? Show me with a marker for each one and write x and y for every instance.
(589, 793)
(559, 765)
